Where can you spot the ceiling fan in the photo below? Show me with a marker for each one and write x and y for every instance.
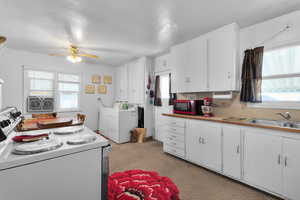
(75, 55)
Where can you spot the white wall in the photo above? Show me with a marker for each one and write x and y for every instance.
(253, 36)
(11, 71)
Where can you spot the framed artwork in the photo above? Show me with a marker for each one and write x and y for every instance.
(102, 89)
(90, 89)
(96, 79)
(107, 80)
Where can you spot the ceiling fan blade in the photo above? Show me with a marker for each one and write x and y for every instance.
(88, 55)
(53, 54)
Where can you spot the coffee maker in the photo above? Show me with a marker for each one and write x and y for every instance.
(207, 107)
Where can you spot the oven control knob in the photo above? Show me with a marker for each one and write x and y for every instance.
(3, 124)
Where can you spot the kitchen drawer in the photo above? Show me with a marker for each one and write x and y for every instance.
(173, 122)
(175, 137)
(177, 130)
(174, 143)
(174, 151)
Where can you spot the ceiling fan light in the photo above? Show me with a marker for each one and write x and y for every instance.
(74, 59)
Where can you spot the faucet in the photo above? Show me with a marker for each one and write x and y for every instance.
(286, 115)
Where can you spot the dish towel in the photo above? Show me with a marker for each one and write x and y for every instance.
(141, 185)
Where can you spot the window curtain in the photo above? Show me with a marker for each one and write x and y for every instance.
(173, 96)
(157, 92)
(252, 75)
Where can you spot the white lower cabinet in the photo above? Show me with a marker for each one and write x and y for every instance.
(272, 162)
(204, 144)
(174, 137)
(291, 168)
(266, 159)
(232, 151)
(263, 162)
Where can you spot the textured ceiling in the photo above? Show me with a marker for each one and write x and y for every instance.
(119, 30)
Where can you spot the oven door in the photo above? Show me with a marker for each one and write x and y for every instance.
(182, 107)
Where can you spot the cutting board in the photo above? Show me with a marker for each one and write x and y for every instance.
(38, 124)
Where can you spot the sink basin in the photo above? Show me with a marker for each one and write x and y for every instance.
(276, 123)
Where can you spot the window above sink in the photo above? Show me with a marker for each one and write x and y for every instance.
(281, 78)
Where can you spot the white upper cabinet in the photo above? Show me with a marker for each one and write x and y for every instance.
(207, 63)
(121, 86)
(178, 65)
(196, 65)
(136, 81)
(223, 58)
(161, 63)
(189, 66)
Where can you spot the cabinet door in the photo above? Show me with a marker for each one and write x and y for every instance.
(140, 81)
(212, 143)
(291, 170)
(196, 67)
(232, 151)
(136, 77)
(121, 85)
(222, 58)
(194, 146)
(263, 160)
(203, 144)
(162, 63)
(178, 65)
(131, 83)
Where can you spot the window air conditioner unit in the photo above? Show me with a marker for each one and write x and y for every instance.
(40, 104)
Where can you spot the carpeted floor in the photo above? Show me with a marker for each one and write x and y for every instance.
(194, 183)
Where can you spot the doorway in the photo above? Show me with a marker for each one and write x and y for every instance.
(161, 121)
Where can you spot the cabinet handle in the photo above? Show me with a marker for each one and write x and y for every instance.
(173, 129)
(238, 149)
(285, 161)
(200, 140)
(229, 75)
(203, 141)
(279, 159)
(174, 143)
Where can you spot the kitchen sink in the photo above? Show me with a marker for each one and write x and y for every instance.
(276, 123)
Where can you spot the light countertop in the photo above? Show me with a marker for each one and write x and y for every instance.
(235, 121)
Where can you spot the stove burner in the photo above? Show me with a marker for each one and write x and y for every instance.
(83, 139)
(68, 130)
(37, 147)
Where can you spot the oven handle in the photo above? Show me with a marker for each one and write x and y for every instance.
(105, 171)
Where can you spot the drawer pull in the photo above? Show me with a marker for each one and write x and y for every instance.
(174, 143)
(279, 159)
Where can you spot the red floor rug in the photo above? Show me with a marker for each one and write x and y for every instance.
(141, 185)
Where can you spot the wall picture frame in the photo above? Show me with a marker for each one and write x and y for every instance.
(102, 89)
(96, 79)
(107, 79)
(89, 89)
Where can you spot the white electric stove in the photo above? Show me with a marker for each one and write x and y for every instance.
(71, 164)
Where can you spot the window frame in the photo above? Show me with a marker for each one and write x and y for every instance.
(57, 95)
(278, 104)
(26, 89)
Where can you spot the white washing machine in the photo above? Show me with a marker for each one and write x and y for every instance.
(72, 164)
